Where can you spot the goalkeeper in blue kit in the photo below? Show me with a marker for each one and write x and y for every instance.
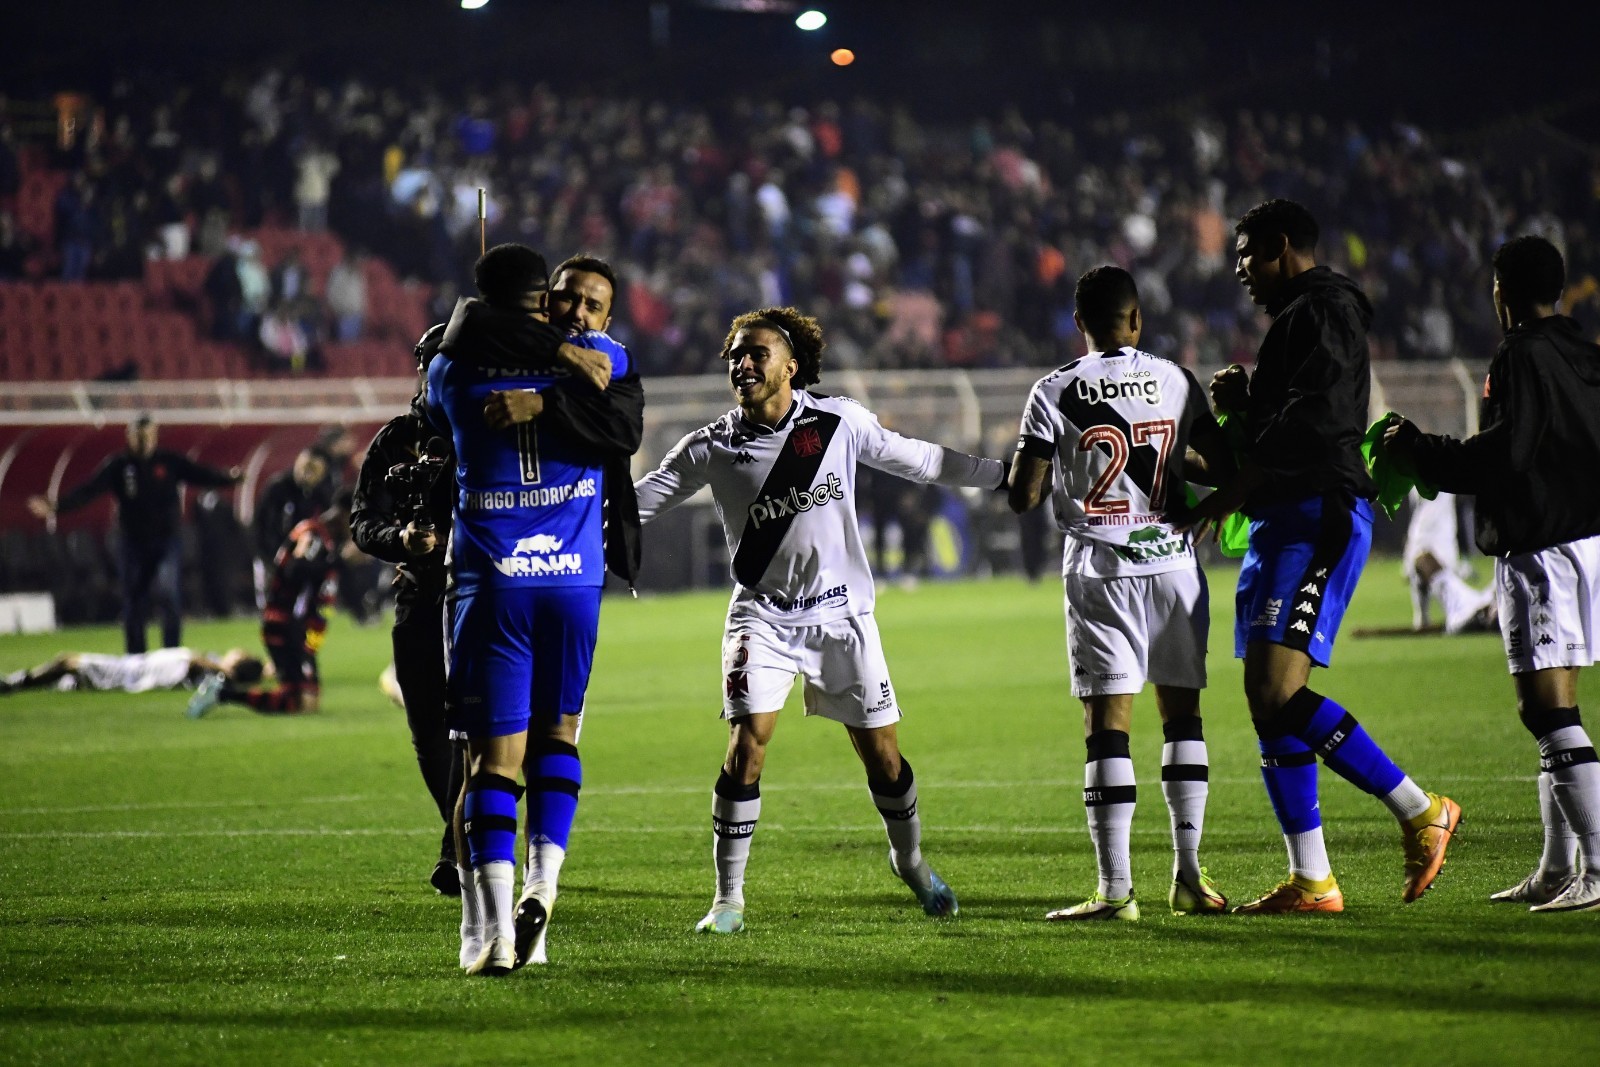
(527, 563)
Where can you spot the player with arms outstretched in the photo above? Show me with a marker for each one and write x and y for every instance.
(1111, 432)
(782, 471)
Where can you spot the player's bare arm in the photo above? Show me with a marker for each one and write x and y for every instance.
(1030, 481)
(1208, 459)
(508, 407)
(593, 367)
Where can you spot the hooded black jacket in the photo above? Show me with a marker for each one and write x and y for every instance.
(1533, 465)
(375, 521)
(1309, 393)
(610, 422)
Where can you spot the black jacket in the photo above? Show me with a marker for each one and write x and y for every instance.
(283, 506)
(375, 519)
(146, 490)
(1309, 393)
(1533, 465)
(609, 422)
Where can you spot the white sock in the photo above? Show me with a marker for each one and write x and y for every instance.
(900, 820)
(1569, 757)
(1560, 854)
(471, 916)
(495, 882)
(1185, 785)
(733, 827)
(1308, 855)
(1406, 800)
(1109, 797)
(544, 869)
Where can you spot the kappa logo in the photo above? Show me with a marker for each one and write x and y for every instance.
(1300, 625)
(742, 457)
(806, 442)
(1186, 825)
(1305, 606)
(1322, 572)
(1311, 587)
(1545, 639)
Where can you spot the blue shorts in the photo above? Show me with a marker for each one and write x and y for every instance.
(516, 654)
(1300, 573)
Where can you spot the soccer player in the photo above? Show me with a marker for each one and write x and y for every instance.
(405, 520)
(1111, 432)
(302, 583)
(782, 471)
(135, 672)
(1304, 486)
(145, 481)
(1538, 512)
(1430, 559)
(527, 564)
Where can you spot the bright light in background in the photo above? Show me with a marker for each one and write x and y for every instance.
(472, 5)
(807, 20)
(842, 57)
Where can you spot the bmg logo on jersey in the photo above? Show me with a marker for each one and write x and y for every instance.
(1105, 390)
(539, 555)
(795, 501)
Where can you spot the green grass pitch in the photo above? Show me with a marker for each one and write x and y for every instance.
(246, 889)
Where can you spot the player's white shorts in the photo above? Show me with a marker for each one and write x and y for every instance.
(1122, 632)
(841, 663)
(1547, 602)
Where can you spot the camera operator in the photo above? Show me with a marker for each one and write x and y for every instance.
(402, 510)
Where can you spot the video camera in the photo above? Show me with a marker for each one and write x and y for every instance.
(412, 482)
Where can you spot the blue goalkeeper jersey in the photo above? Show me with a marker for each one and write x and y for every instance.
(530, 504)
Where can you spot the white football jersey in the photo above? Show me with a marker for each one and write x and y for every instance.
(1115, 426)
(786, 496)
(138, 672)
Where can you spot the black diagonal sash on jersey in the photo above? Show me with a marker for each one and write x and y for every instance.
(792, 470)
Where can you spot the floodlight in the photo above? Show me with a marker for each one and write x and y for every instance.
(842, 57)
(811, 20)
(472, 5)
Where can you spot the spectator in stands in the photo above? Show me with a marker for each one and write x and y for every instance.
(76, 226)
(13, 248)
(255, 287)
(347, 296)
(314, 170)
(145, 481)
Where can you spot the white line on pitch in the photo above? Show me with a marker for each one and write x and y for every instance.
(651, 791)
(35, 835)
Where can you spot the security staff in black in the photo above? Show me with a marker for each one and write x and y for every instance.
(402, 509)
(1532, 469)
(145, 481)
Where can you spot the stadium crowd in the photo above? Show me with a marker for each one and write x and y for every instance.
(921, 243)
